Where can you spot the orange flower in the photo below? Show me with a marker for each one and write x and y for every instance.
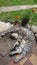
(17, 17)
(33, 9)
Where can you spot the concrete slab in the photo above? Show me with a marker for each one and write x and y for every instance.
(5, 45)
(4, 26)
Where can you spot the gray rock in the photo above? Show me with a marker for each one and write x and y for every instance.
(36, 37)
(34, 28)
(5, 28)
(5, 45)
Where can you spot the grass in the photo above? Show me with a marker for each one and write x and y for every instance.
(12, 15)
(34, 19)
(17, 2)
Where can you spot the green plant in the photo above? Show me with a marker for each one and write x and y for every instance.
(26, 18)
(35, 1)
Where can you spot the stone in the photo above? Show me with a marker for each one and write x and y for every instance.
(34, 28)
(4, 26)
(36, 36)
(6, 44)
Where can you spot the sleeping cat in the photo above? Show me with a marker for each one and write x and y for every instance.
(24, 44)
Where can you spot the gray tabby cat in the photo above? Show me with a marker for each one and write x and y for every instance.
(25, 43)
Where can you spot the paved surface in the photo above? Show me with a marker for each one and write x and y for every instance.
(5, 45)
(30, 59)
(14, 8)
